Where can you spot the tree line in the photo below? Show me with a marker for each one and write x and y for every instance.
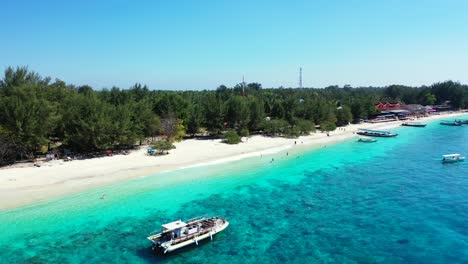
(38, 114)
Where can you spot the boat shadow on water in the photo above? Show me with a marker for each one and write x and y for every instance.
(153, 256)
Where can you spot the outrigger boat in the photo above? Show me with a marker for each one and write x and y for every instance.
(451, 123)
(375, 133)
(450, 158)
(413, 124)
(179, 234)
(463, 122)
(367, 140)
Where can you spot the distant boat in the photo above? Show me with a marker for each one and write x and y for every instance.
(463, 122)
(375, 133)
(450, 158)
(413, 124)
(179, 234)
(367, 140)
(450, 123)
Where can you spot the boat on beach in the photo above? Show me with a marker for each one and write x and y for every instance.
(178, 234)
(375, 133)
(367, 140)
(451, 123)
(450, 158)
(413, 124)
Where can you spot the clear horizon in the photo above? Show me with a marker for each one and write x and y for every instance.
(182, 45)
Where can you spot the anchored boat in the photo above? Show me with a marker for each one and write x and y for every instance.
(179, 234)
(413, 124)
(450, 158)
(367, 140)
(450, 123)
(462, 122)
(375, 133)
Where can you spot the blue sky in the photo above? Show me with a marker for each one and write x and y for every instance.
(201, 44)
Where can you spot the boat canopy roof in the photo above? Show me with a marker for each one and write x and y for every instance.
(375, 131)
(173, 225)
(451, 155)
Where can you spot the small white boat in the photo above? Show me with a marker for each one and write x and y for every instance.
(450, 123)
(413, 124)
(367, 140)
(179, 234)
(375, 133)
(449, 158)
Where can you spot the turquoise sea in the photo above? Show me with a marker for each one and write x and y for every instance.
(387, 202)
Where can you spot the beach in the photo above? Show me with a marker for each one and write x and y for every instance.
(24, 185)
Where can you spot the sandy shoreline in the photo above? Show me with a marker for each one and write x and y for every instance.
(21, 186)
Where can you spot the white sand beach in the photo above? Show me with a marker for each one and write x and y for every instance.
(24, 185)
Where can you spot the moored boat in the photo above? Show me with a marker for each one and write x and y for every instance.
(178, 234)
(413, 124)
(463, 122)
(450, 123)
(450, 158)
(375, 133)
(367, 140)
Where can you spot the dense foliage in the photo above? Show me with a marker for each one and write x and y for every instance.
(37, 114)
(231, 137)
(162, 146)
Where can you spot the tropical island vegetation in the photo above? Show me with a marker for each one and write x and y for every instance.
(38, 114)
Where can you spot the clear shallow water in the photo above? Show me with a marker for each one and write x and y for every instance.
(387, 202)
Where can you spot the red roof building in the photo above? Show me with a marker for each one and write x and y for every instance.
(387, 106)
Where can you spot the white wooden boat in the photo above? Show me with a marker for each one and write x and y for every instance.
(450, 123)
(367, 140)
(450, 158)
(375, 133)
(179, 234)
(413, 124)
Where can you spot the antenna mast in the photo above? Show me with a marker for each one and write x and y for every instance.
(300, 77)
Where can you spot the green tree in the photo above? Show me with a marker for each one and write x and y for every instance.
(88, 123)
(237, 112)
(328, 126)
(231, 137)
(430, 99)
(256, 114)
(162, 146)
(195, 119)
(304, 127)
(343, 116)
(275, 127)
(214, 114)
(26, 117)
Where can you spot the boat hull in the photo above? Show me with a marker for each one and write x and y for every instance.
(376, 135)
(451, 124)
(167, 247)
(367, 141)
(409, 125)
(453, 161)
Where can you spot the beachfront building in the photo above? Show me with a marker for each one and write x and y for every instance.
(446, 106)
(385, 106)
(415, 109)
